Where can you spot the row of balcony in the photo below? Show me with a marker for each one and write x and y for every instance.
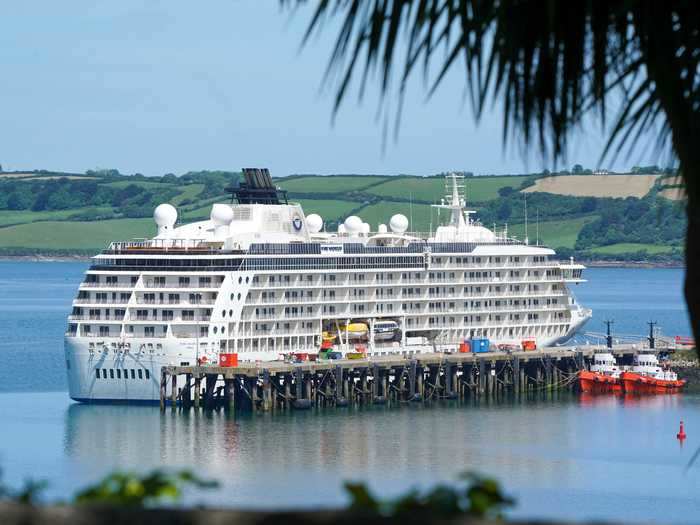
(145, 318)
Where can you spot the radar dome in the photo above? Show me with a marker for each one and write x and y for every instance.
(353, 224)
(382, 228)
(314, 223)
(221, 214)
(398, 223)
(365, 228)
(341, 228)
(165, 216)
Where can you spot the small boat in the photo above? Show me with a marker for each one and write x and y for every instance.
(603, 376)
(647, 377)
(385, 330)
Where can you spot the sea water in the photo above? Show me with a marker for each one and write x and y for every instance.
(564, 456)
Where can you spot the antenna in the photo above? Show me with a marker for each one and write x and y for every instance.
(410, 210)
(652, 341)
(538, 227)
(526, 235)
(608, 332)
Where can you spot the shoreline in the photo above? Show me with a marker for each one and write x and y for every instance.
(588, 263)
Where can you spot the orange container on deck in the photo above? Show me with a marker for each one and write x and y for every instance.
(529, 344)
(465, 347)
(228, 360)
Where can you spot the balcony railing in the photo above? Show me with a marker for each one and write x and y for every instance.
(82, 300)
(151, 284)
(95, 317)
(93, 284)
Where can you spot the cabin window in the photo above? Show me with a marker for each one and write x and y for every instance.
(133, 374)
(104, 373)
(111, 373)
(97, 373)
(119, 373)
(148, 374)
(140, 374)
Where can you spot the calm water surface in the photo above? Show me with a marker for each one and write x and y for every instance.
(567, 457)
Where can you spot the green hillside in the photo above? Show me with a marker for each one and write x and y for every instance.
(47, 211)
(556, 234)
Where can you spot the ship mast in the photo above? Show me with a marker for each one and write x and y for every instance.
(455, 201)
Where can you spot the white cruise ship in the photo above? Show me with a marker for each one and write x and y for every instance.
(262, 280)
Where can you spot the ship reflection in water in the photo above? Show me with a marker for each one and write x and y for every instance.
(391, 448)
(567, 446)
(647, 402)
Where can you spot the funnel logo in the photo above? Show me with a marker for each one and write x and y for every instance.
(296, 222)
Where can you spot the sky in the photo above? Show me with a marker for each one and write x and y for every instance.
(157, 86)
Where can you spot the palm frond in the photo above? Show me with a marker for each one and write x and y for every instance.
(547, 62)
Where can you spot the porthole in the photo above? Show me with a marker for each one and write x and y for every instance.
(223, 313)
(239, 297)
(232, 297)
(247, 279)
(230, 313)
(223, 329)
(240, 280)
(215, 329)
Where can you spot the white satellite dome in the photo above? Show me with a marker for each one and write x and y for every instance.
(221, 214)
(382, 228)
(165, 216)
(365, 228)
(398, 223)
(353, 224)
(341, 228)
(314, 223)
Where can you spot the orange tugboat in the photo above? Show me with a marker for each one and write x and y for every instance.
(647, 377)
(603, 376)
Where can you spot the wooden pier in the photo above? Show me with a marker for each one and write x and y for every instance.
(274, 386)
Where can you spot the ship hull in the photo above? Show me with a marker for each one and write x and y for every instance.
(639, 384)
(596, 383)
(134, 377)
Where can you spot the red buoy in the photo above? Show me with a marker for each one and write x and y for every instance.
(681, 433)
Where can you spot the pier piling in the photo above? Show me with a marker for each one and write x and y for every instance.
(424, 377)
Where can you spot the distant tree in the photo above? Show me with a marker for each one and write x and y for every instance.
(589, 204)
(505, 191)
(577, 169)
(504, 210)
(19, 200)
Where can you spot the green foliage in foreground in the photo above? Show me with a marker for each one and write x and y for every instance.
(474, 495)
(129, 489)
(123, 489)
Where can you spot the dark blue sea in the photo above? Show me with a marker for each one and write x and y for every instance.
(563, 457)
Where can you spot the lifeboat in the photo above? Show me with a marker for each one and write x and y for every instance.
(355, 330)
(647, 377)
(603, 376)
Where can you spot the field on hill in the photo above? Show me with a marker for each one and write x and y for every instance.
(328, 183)
(630, 247)
(595, 185)
(65, 235)
(553, 234)
(432, 189)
